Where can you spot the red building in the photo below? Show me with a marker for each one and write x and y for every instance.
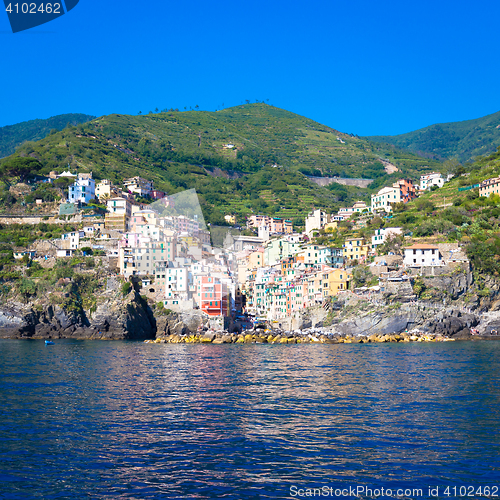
(157, 195)
(212, 296)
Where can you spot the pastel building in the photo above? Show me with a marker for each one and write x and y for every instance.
(105, 190)
(422, 255)
(118, 214)
(355, 248)
(212, 296)
(489, 186)
(337, 281)
(381, 235)
(82, 190)
(275, 225)
(401, 191)
(429, 180)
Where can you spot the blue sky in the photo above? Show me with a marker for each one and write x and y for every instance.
(366, 67)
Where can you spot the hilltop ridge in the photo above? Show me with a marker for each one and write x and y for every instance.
(464, 140)
(11, 136)
(244, 159)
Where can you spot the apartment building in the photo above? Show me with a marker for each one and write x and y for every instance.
(489, 186)
(142, 187)
(82, 190)
(355, 248)
(429, 180)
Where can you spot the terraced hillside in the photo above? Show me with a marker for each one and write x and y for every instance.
(250, 158)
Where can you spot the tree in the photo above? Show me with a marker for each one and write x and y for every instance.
(376, 222)
(362, 276)
(21, 167)
(27, 287)
(393, 243)
(453, 167)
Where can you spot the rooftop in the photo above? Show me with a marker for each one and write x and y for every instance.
(422, 246)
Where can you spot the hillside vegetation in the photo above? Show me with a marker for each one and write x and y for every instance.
(462, 140)
(249, 158)
(447, 214)
(11, 136)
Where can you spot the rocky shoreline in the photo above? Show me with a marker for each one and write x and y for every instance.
(308, 336)
(131, 318)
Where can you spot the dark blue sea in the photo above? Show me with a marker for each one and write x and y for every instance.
(95, 419)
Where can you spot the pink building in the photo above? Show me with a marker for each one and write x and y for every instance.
(212, 296)
(275, 225)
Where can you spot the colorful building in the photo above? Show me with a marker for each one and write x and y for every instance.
(489, 186)
(212, 296)
(355, 248)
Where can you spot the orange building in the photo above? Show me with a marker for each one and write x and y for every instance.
(407, 190)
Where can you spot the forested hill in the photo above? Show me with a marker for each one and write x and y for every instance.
(462, 140)
(11, 136)
(249, 158)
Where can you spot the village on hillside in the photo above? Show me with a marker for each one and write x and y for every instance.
(267, 271)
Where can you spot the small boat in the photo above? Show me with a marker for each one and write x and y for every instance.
(49, 342)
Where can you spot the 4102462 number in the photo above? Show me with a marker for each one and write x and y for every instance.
(33, 8)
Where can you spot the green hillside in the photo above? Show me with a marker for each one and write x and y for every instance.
(249, 158)
(12, 136)
(454, 213)
(462, 140)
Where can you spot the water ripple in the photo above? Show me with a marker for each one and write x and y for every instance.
(132, 420)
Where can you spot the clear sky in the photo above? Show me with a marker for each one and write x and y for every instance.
(366, 67)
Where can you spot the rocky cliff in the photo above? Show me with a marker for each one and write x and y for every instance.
(115, 317)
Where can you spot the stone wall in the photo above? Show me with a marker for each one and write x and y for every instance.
(326, 181)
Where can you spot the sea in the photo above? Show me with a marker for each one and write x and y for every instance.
(109, 419)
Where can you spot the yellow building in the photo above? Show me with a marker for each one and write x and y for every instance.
(230, 219)
(355, 248)
(338, 280)
(489, 186)
(256, 259)
(105, 190)
(331, 225)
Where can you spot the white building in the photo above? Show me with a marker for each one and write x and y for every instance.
(119, 206)
(315, 221)
(381, 235)
(82, 190)
(72, 240)
(138, 185)
(177, 281)
(429, 180)
(385, 198)
(422, 255)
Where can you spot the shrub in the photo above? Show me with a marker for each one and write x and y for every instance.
(27, 287)
(126, 287)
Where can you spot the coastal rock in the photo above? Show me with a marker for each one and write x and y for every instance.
(116, 317)
(178, 323)
(376, 323)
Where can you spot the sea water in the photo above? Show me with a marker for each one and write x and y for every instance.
(95, 419)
